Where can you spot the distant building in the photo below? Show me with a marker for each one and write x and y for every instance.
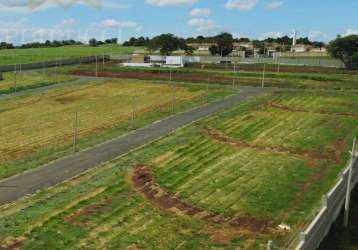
(157, 59)
(240, 46)
(174, 61)
(140, 58)
(201, 46)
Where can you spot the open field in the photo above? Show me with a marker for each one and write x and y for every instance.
(39, 127)
(17, 56)
(220, 75)
(31, 79)
(227, 181)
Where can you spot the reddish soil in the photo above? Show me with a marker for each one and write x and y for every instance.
(218, 136)
(13, 245)
(287, 108)
(90, 210)
(143, 181)
(158, 76)
(274, 68)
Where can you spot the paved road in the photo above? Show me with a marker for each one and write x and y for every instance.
(60, 170)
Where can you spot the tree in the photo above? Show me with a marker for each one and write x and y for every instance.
(223, 44)
(93, 42)
(166, 44)
(345, 49)
(260, 46)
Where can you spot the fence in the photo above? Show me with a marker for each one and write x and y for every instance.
(314, 62)
(332, 204)
(53, 63)
(320, 62)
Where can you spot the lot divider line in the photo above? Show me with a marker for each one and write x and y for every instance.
(79, 80)
(56, 172)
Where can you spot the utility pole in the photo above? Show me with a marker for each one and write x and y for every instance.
(103, 61)
(96, 66)
(75, 133)
(234, 78)
(173, 99)
(15, 78)
(263, 76)
(349, 185)
(133, 113)
(56, 65)
(43, 66)
(207, 90)
(278, 65)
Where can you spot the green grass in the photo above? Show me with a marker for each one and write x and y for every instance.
(31, 80)
(17, 56)
(43, 122)
(100, 209)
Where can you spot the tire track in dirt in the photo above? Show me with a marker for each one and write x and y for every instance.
(310, 155)
(290, 109)
(143, 182)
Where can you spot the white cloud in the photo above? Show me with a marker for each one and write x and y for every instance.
(19, 6)
(243, 5)
(24, 6)
(197, 12)
(273, 34)
(317, 35)
(66, 22)
(112, 23)
(202, 24)
(350, 32)
(274, 5)
(170, 2)
(114, 5)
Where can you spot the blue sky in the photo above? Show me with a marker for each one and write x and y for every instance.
(33, 20)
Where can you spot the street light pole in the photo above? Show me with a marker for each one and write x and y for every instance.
(263, 76)
(75, 133)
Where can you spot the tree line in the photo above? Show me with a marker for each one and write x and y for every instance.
(343, 48)
(223, 43)
(55, 43)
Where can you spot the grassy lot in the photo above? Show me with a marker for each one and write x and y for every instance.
(218, 75)
(31, 79)
(39, 127)
(225, 182)
(17, 56)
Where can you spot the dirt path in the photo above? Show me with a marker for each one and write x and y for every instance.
(310, 155)
(143, 181)
(191, 77)
(290, 109)
(60, 170)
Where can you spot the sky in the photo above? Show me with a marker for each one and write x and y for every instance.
(24, 21)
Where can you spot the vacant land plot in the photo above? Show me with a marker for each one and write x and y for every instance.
(14, 82)
(17, 56)
(227, 181)
(241, 77)
(38, 126)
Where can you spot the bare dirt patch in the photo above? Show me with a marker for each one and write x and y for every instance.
(143, 181)
(158, 76)
(14, 244)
